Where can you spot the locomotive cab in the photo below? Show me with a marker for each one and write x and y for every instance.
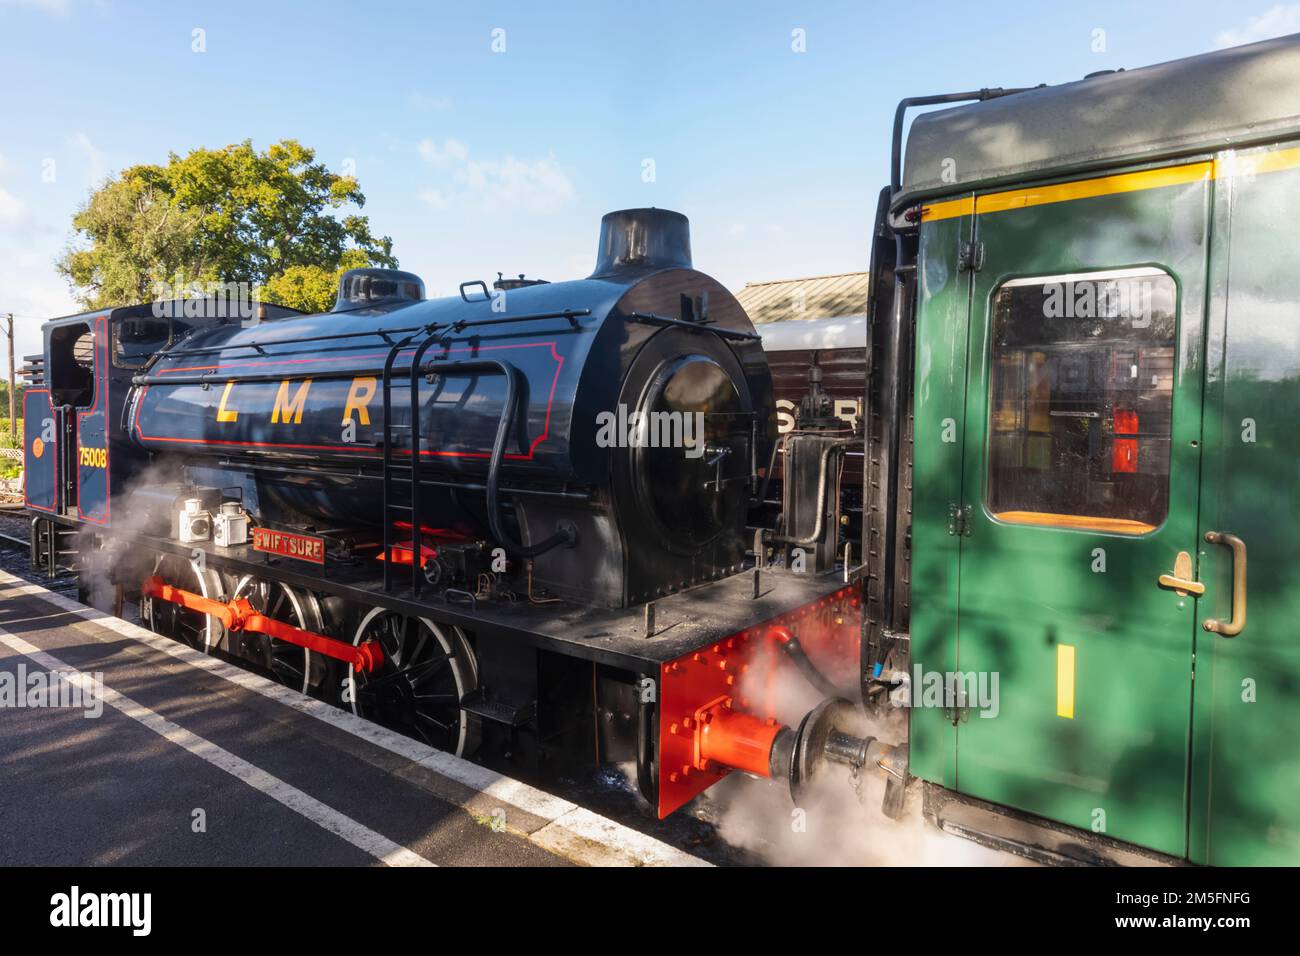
(76, 391)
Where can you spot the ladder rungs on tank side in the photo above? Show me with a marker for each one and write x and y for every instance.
(394, 511)
(420, 341)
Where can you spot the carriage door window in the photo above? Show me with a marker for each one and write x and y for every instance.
(1080, 402)
(72, 365)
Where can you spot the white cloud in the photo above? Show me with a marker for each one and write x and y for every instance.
(11, 207)
(56, 7)
(1278, 20)
(97, 170)
(538, 185)
(34, 294)
(453, 151)
(435, 198)
(541, 185)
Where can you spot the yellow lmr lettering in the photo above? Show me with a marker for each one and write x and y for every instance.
(287, 410)
(359, 396)
(227, 414)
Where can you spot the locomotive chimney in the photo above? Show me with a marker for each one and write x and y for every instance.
(643, 239)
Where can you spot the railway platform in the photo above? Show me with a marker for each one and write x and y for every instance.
(146, 752)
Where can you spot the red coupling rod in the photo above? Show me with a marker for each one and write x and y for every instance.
(239, 615)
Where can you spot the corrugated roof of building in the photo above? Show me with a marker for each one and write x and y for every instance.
(817, 297)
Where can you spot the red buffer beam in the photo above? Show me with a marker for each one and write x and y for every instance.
(718, 703)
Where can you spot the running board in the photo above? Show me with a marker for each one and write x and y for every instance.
(1029, 837)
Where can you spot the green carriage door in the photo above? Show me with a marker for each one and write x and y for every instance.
(1246, 740)
(1080, 488)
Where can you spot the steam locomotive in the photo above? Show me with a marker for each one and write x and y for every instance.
(511, 522)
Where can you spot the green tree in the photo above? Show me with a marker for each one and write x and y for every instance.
(227, 215)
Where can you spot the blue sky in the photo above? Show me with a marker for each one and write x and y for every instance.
(476, 161)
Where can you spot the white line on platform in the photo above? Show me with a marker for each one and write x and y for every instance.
(588, 837)
(326, 817)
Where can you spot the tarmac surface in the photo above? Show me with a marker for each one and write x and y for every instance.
(178, 758)
(195, 760)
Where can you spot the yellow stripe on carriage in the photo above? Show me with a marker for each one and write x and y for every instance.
(1226, 165)
(950, 209)
(1088, 188)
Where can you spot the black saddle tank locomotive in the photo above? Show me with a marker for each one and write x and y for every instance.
(509, 523)
(608, 431)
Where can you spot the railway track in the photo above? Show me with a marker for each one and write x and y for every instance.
(12, 541)
(14, 528)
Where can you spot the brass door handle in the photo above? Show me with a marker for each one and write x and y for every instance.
(1181, 585)
(1233, 627)
(1181, 580)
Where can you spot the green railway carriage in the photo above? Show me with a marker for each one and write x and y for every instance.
(1102, 289)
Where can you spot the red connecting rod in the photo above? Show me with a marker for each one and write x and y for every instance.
(239, 615)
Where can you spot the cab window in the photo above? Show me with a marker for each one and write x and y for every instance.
(1081, 400)
(136, 340)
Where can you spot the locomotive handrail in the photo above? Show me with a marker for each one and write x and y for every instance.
(568, 314)
(229, 461)
(509, 409)
(316, 375)
(387, 489)
(487, 295)
(508, 412)
(333, 336)
(413, 375)
(654, 319)
(218, 375)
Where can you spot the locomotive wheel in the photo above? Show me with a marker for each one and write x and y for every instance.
(293, 666)
(428, 669)
(198, 630)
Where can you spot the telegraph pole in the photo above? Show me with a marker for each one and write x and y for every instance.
(12, 432)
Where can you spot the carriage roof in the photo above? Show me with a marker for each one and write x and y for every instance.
(1233, 97)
